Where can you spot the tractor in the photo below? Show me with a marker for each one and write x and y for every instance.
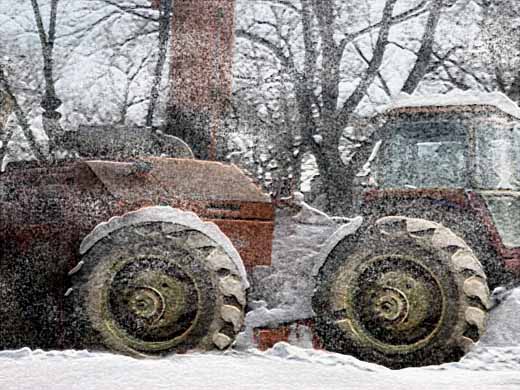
(136, 247)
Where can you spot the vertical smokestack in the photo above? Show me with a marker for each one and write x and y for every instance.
(201, 71)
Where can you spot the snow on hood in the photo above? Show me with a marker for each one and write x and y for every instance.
(458, 98)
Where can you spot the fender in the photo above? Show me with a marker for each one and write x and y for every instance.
(344, 230)
(165, 214)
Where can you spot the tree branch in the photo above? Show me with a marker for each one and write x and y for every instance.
(384, 84)
(425, 51)
(39, 23)
(132, 10)
(402, 17)
(20, 117)
(275, 49)
(377, 59)
(284, 3)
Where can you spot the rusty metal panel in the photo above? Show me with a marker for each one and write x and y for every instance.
(206, 180)
(252, 239)
(178, 179)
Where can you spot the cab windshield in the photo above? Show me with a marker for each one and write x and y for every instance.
(424, 155)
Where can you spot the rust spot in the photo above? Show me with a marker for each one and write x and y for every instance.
(252, 239)
(265, 338)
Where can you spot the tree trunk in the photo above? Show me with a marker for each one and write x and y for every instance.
(425, 51)
(164, 36)
(50, 102)
(338, 180)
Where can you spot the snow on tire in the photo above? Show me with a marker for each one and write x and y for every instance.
(407, 291)
(159, 287)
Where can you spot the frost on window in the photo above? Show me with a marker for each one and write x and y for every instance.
(498, 158)
(430, 155)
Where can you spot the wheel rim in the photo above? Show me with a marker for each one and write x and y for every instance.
(151, 304)
(392, 303)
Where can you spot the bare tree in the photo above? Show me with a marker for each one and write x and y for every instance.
(100, 57)
(314, 54)
(50, 102)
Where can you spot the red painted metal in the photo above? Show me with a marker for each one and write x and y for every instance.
(81, 195)
(511, 256)
(252, 239)
(266, 338)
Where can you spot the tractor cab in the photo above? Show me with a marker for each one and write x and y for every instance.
(449, 147)
(449, 153)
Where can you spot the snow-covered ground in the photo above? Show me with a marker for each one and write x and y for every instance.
(283, 367)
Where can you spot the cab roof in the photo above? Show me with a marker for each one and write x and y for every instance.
(455, 101)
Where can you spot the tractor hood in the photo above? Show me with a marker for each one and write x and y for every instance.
(177, 178)
(504, 207)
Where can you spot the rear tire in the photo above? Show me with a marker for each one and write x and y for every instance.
(408, 292)
(155, 288)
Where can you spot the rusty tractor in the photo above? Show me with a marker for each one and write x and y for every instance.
(132, 250)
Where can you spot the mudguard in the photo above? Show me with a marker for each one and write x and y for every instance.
(165, 214)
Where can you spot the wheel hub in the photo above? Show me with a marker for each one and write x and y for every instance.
(391, 305)
(148, 303)
(151, 303)
(393, 302)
